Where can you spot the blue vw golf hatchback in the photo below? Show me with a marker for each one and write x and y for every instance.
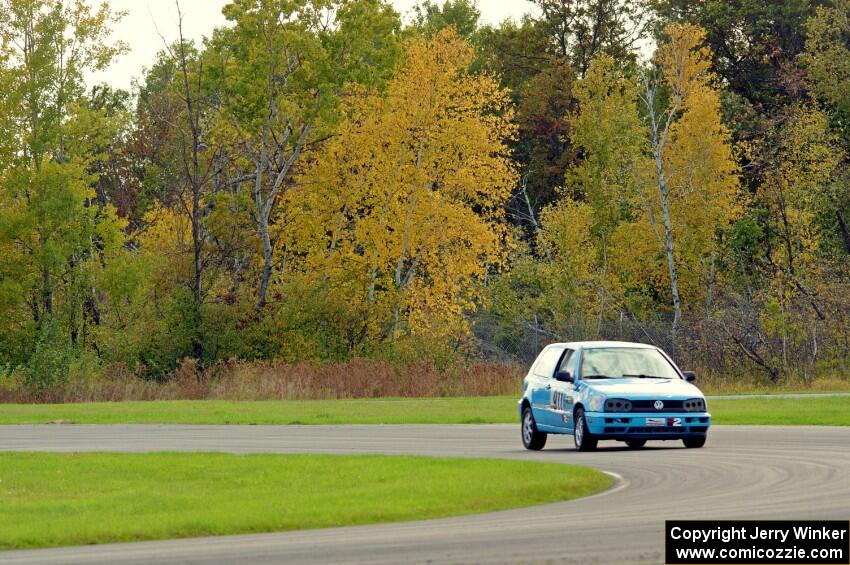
(608, 390)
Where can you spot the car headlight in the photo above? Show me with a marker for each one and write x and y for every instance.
(694, 405)
(595, 401)
(618, 405)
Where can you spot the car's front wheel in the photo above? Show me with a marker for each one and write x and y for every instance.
(694, 442)
(531, 437)
(583, 438)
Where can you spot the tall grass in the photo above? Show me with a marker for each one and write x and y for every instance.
(358, 378)
(233, 380)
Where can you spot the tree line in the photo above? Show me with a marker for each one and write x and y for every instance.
(321, 179)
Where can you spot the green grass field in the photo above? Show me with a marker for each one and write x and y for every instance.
(74, 499)
(389, 411)
(829, 411)
(790, 411)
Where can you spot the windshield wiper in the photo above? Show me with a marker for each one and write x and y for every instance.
(596, 377)
(641, 376)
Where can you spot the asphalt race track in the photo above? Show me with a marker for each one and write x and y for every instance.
(743, 472)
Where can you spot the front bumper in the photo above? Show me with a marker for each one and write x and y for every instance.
(637, 425)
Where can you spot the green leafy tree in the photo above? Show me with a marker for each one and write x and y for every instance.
(280, 71)
(515, 52)
(795, 187)
(753, 43)
(54, 236)
(580, 30)
(608, 131)
(463, 15)
(827, 63)
(543, 149)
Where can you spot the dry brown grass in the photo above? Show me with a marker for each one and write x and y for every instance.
(714, 384)
(358, 378)
(233, 380)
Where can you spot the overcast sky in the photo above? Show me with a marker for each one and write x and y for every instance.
(139, 28)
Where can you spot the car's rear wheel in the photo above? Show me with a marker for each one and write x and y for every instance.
(636, 443)
(694, 442)
(531, 437)
(583, 438)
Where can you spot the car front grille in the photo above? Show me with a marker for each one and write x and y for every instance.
(622, 406)
(649, 406)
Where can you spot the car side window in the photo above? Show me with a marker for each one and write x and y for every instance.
(566, 363)
(545, 366)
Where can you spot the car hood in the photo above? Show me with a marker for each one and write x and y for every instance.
(644, 388)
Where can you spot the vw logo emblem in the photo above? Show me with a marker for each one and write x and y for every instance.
(658, 405)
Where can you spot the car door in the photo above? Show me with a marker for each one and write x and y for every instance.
(541, 380)
(563, 393)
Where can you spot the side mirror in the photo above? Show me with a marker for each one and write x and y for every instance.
(690, 376)
(564, 377)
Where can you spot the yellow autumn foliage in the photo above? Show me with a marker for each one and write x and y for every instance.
(808, 158)
(699, 171)
(166, 243)
(401, 213)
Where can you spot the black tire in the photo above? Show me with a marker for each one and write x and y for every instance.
(635, 443)
(531, 438)
(694, 442)
(582, 436)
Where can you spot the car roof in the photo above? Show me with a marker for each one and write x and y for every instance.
(601, 344)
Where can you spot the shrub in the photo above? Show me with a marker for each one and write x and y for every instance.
(51, 359)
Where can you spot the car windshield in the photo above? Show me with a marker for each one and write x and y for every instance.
(618, 362)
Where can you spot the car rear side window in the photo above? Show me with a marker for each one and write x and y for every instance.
(567, 361)
(545, 366)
